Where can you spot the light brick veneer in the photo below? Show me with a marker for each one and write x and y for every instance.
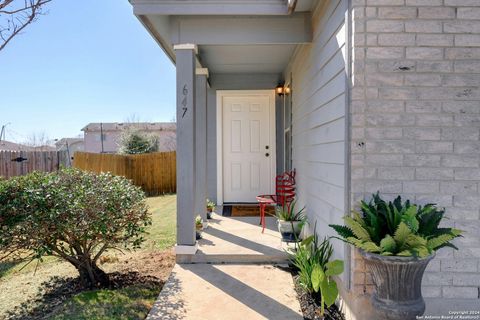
(415, 114)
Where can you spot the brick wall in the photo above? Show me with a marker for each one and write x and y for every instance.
(415, 113)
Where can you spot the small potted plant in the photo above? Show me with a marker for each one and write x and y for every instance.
(290, 221)
(397, 240)
(210, 208)
(198, 227)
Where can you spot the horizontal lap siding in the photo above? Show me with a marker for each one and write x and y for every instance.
(318, 121)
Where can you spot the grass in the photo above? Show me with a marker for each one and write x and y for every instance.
(132, 302)
(163, 231)
(7, 266)
(129, 303)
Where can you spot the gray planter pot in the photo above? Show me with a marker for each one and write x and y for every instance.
(398, 285)
(290, 230)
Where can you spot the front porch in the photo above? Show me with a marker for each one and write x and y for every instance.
(234, 163)
(232, 128)
(238, 240)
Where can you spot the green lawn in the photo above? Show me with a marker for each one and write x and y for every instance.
(132, 302)
(164, 225)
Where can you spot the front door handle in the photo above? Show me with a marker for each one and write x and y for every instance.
(267, 154)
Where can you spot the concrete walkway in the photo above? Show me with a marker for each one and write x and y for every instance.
(227, 292)
(232, 276)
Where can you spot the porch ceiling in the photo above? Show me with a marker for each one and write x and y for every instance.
(245, 58)
(230, 38)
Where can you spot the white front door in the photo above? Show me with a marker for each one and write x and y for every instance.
(248, 144)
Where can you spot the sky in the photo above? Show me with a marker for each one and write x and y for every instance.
(84, 61)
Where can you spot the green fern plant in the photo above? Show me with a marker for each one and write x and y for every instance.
(288, 213)
(396, 228)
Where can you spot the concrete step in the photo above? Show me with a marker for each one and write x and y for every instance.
(239, 240)
(233, 258)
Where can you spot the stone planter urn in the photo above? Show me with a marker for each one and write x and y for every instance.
(398, 285)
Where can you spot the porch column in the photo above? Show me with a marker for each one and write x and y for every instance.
(185, 65)
(201, 142)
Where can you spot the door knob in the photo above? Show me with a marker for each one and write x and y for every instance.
(267, 147)
(267, 154)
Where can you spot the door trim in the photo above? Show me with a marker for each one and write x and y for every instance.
(273, 161)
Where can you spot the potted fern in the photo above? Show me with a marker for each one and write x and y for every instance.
(290, 221)
(210, 208)
(198, 227)
(397, 240)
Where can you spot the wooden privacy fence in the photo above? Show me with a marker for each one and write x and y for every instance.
(18, 163)
(155, 172)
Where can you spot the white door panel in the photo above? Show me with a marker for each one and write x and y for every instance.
(247, 139)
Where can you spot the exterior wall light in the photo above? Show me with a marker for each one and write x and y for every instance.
(280, 90)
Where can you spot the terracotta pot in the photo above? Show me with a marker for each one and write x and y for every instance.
(398, 285)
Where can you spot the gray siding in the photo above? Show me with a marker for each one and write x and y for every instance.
(318, 122)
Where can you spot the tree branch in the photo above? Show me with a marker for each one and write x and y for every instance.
(16, 19)
(30, 6)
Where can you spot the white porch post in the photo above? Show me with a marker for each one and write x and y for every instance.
(186, 176)
(201, 142)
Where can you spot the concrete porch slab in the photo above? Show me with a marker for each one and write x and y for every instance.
(238, 240)
(205, 291)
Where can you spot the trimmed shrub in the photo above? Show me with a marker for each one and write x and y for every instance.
(71, 214)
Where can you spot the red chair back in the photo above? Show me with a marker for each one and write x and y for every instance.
(285, 188)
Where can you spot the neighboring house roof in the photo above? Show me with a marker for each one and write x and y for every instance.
(70, 141)
(12, 146)
(43, 148)
(118, 126)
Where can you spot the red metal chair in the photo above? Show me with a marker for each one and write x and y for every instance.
(284, 194)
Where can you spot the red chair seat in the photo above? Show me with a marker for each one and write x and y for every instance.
(285, 193)
(266, 198)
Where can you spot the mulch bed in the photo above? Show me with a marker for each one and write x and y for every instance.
(56, 291)
(149, 270)
(311, 305)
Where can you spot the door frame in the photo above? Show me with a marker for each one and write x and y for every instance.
(273, 154)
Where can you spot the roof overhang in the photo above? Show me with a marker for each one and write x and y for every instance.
(219, 26)
(212, 7)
